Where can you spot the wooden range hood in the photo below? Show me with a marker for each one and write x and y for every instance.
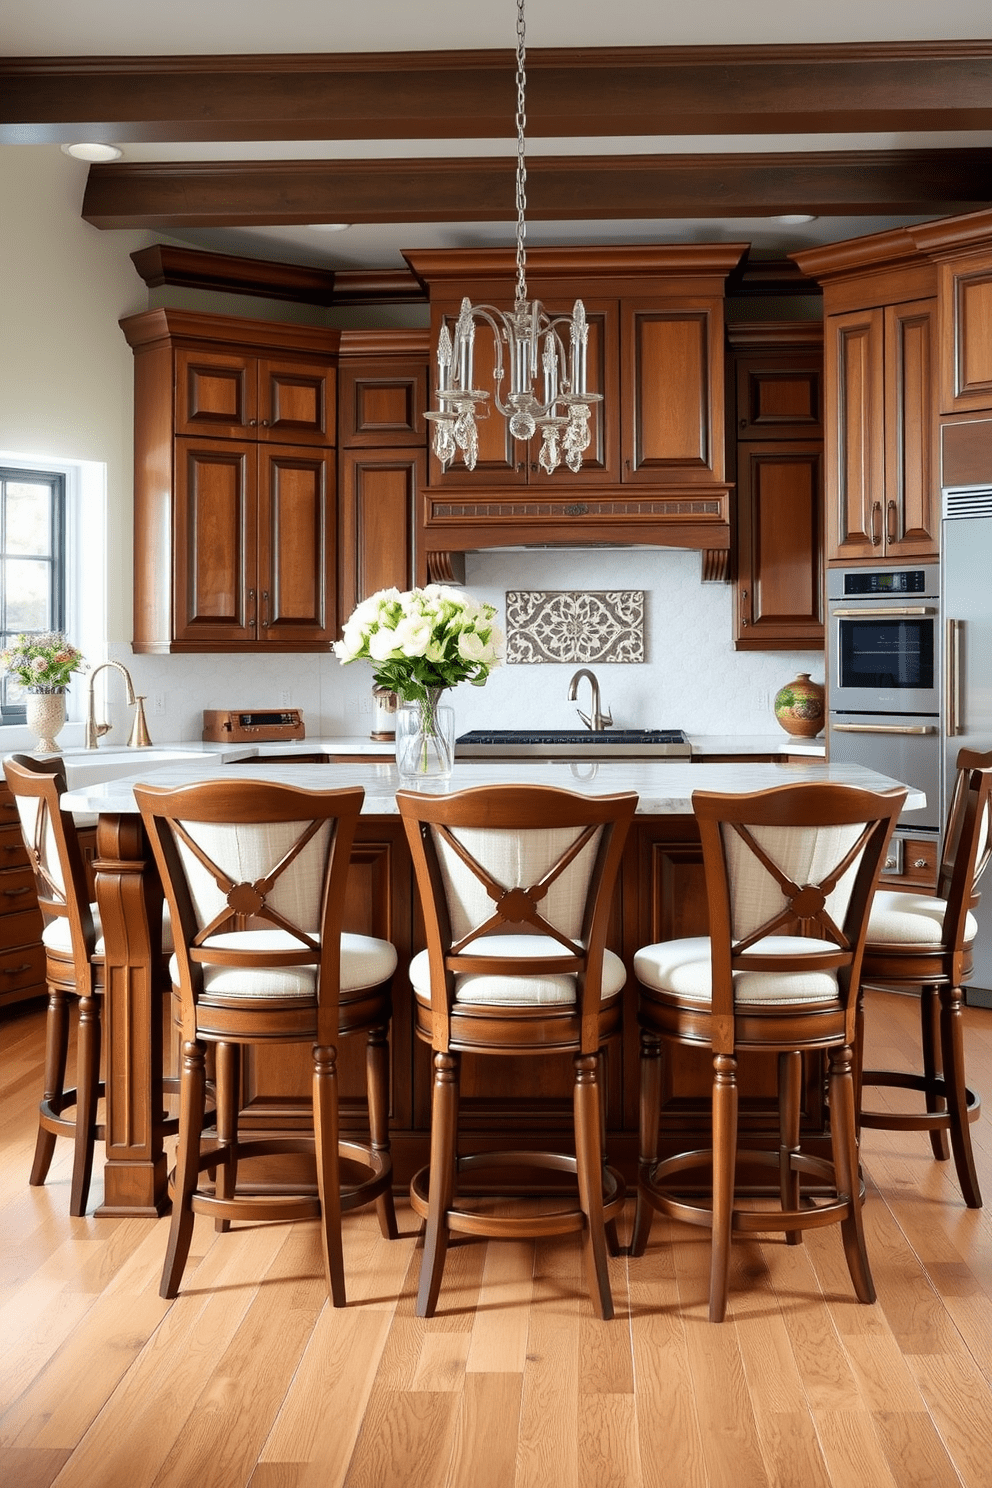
(655, 472)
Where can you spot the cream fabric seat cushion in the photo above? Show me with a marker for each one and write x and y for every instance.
(910, 919)
(531, 989)
(684, 969)
(366, 961)
(57, 937)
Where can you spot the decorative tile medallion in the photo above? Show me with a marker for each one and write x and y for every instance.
(574, 625)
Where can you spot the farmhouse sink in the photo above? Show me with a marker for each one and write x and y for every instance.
(91, 766)
(573, 743)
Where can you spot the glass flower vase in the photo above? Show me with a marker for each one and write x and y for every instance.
(45, 716)
(425, 738)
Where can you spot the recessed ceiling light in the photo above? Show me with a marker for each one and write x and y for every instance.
(329, 226)
(795, 219)
(92, 152)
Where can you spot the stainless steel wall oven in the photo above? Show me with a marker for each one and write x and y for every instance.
(883, 677)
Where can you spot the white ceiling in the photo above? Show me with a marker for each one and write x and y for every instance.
(51, 28)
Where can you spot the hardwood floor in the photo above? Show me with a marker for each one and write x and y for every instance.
(249, 1377)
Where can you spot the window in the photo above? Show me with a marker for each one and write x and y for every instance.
(32, 564)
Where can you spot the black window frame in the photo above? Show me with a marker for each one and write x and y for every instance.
(56, 482)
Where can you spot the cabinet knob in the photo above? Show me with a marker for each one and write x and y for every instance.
(743, 423)
(920, 863)
(265, 423)
(252, 423)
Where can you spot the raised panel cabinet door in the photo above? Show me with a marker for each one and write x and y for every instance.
(779, 524)
(854, 438)
(297, 401)
(216, 394)
(912, 480)
(296, 545)
(377, 521)
(965, 294)
(380, 405)
(215, 542)
(780, 396)
(672, 392)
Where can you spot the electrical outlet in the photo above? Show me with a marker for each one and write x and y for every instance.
(286, 697)
(158, 704)
(365, 703)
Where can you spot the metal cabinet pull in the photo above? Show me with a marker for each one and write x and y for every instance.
(891, 523)
(252, 616)
(876, 511)
(744, 619)
(265, 609)
(952, 678)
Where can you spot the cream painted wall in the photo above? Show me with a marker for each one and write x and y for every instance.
(65, 368)
(66, 392)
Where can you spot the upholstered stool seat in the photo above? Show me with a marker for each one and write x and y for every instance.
(516, 884)
(255, 875)
(923, 943)
(789, 878)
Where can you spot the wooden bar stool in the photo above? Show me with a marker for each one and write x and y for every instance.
(924, 941)
(789, 877)
(255, 876)
(516, 884)
(73, 941)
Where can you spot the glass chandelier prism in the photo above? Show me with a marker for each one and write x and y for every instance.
(527, 341)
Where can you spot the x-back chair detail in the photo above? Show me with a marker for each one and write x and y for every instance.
(790, 874)
(516, 884)
(255, 874)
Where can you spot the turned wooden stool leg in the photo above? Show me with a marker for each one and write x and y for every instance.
(933, 1065)
(56, 1054)
(589, 1163)
(725, 1101)
(847, 1171)
(952, 1054)
(790, 1083)
(87, 1095)
(441, 1189)
(650, 1109)
(377, 1085)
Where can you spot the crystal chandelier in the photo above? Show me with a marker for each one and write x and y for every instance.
(524, 338)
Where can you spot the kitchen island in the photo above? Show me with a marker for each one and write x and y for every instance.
(661, 894)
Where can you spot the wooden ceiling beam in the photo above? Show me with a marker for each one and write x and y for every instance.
(866, 87)
(266, 193)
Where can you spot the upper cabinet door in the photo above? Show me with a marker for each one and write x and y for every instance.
(216, 394)
(855, 443)
(912, 487)
(779, 397)
(214, 582)
(296, 548)
(672, 391)
(296, 402)
(966, 334)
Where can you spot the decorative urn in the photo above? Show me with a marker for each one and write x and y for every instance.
(799, 707)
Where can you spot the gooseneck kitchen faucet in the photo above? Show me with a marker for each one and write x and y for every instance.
(138, 738)
(595, 719)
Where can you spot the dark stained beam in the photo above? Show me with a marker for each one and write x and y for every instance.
(868, 87)
(256, 194)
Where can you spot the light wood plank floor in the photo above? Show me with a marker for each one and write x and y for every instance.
(249, 1377)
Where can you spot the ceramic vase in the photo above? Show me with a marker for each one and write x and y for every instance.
(425, 738)
(45, 710)
(799, 707)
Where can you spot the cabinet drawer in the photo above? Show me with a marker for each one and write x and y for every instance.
(17, 893)
(911, 863)
(22, 967)
(13, 853)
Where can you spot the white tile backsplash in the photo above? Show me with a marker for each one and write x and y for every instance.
(692, 679)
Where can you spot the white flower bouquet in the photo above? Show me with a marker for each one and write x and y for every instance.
(423, 640)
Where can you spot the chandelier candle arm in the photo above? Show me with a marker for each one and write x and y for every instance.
(533, 341)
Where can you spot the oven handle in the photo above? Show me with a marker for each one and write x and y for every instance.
(952, 678)
(904, 612)
(884, 728)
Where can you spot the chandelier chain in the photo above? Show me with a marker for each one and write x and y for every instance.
(521, 297)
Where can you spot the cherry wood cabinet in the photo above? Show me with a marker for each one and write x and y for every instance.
(235, 493)
(655, 470)
(961, 248)
(382, 438)
(775, 407)
(880, 360)
(22, 956)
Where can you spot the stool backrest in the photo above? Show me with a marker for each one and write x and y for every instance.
(52, 844)
(520, 860)
(795, 861)
(255, 876)
(967, 844)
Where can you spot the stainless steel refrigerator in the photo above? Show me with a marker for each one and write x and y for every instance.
(966, 609)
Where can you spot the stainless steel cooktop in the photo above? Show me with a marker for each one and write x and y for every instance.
(581, 743)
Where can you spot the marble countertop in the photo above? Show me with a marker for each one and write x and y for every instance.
(664, 787)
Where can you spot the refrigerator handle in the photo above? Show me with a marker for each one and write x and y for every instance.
(952, 679)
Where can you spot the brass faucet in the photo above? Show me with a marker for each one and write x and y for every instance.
(596, 719)
(138, 738)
